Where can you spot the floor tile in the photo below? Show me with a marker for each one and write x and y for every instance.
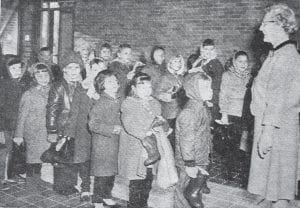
(33, 198)
(17, 203)
(45, 203)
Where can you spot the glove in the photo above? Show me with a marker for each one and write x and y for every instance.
(18, 140)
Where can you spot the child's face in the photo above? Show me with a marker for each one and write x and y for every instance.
(111, 84)
(105, 53)
(46, 55)
(207, 51)
(125, 54)
(143, 89)
(96, 68)
(205, 90)
(159, 56)
(72, 71)
(241, 63)
(176, 65)
(15, 70)
(42, 78)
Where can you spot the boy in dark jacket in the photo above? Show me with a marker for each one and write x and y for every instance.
(12, 88)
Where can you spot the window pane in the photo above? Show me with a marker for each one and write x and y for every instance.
(44, 29)
(54, 5)
(45, 5)
(56, 35)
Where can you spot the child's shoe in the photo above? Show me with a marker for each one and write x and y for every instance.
(110, 203)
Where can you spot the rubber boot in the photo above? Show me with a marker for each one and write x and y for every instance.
(150, 144)
(205, 188)
(192, 192)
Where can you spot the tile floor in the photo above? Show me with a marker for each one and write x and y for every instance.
(38, 194)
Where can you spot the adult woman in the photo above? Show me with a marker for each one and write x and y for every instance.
(275, 105)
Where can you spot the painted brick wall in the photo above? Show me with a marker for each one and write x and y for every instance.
(179, 25)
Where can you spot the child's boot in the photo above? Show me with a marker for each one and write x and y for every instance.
(192, 192)
(150, 144)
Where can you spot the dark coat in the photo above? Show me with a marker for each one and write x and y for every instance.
(58, 107)
(104, 115)
(155, 72)
(11, 92)
(32, 122)
(121, 70)
(77, 124)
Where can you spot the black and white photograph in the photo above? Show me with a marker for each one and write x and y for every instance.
(150, 103)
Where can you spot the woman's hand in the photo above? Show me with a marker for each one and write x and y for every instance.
(18, 140)
(191, 171)
(265, 142)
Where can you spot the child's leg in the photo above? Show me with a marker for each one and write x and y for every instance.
(179, 199)
(84, 173)
(102, 188)
(139, 191)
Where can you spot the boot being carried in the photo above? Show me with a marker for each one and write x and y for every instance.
(150, 144)
(192, 192)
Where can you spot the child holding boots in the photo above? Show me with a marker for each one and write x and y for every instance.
(105, 125)
(138, 112)
(31, 125)
(12, 87)
(193, 140)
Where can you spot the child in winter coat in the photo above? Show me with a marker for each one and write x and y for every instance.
(233, 89)
(31, 125)
(105, 125)
(166, 92)
(208, 62)
(138, 113)
(193, 139)
(121, 66)
(105, 53)
(12, 88)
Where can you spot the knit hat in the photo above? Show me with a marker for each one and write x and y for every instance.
(191, 86)
(71, 57)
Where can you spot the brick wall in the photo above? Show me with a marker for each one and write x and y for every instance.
(179, 25)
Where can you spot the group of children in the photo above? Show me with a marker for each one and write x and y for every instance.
(109, 106)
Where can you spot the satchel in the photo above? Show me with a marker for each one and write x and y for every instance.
(19, 158)
(61, 151)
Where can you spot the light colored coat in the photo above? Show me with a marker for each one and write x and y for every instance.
(276, 102)
(136, 119)
(31, 124)
(233, 89)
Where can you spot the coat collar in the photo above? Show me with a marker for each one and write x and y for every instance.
(284, 44)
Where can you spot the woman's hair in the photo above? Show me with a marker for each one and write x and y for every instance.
(155, 48)
(138, 77)
(39, 67)
(100, 78)
(284, 16)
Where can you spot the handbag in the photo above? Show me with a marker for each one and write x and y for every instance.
(61, 151)
(18, 159)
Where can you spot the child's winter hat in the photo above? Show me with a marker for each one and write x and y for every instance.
(71, 57)
(13, 61)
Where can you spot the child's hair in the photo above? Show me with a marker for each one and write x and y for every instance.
(96, 61)
(155, 48)
(208, 42)
(100, 78)
(39, 67)
(14, 61)
(123, 46)
(138, 77)
(240, 53)
(105, 45)
(45, 49)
